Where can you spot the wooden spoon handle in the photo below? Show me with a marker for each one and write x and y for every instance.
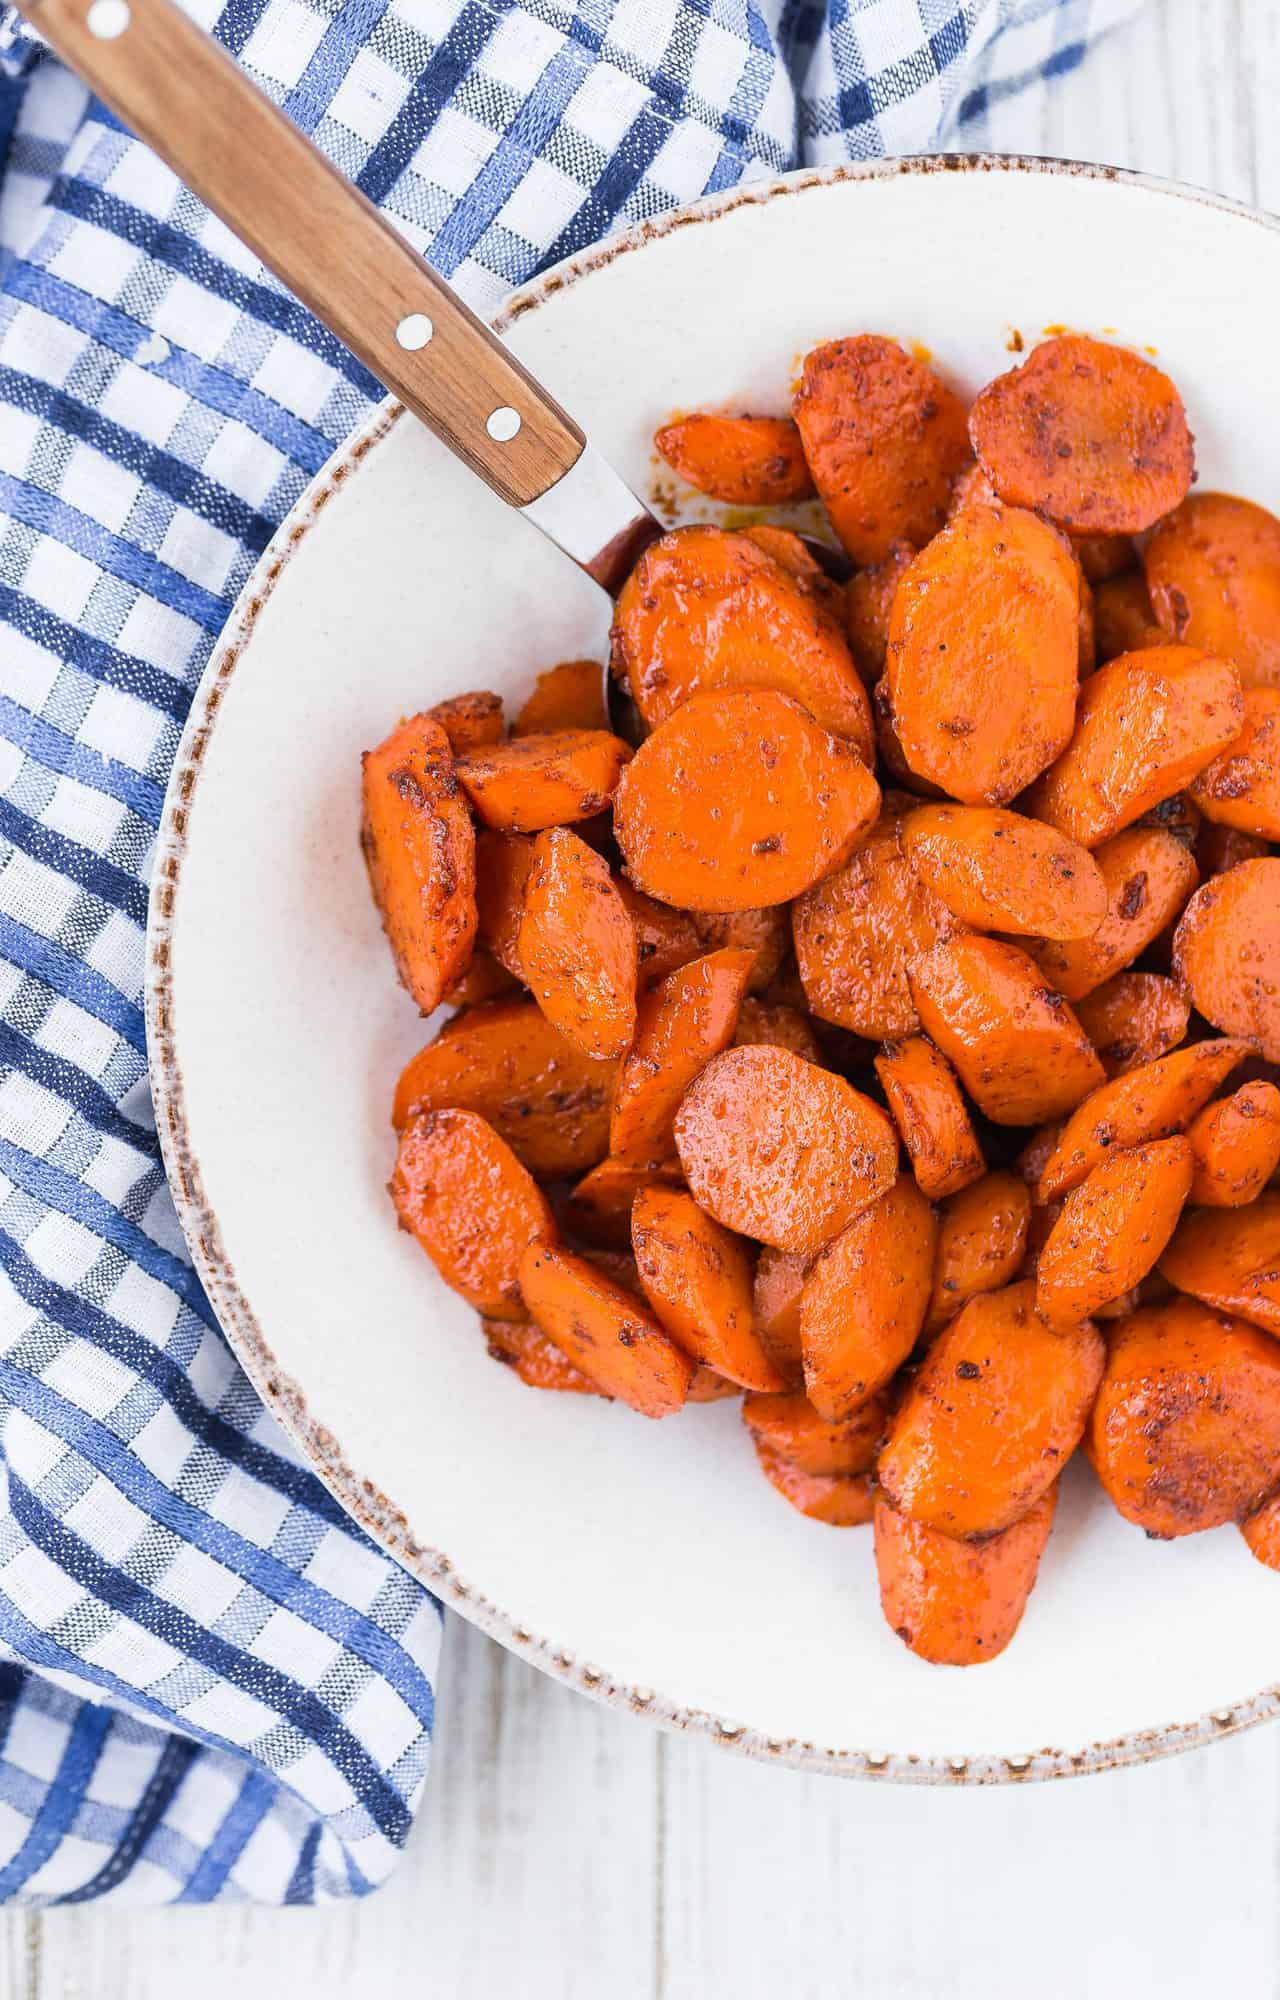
(184, 96)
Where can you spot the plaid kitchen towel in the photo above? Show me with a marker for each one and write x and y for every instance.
(212, 1687)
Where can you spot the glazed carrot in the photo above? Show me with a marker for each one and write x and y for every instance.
(577, 945)
(791, 552)
(930, 1113)
(889, 750)
(790, 1427)
(998, 871)
(604, 1330)
(1103, 557)
(1185, 1433)
(1113, 1228)
(570, 696)
(884, 437)
(996, 1409)
(484, 979)
(1224, 953)
(971, 488)
(780, 1027)
(1149, 876)
(460, 1190)
(982, 1237)
(778, 1149)
(1038, 1151)
(868, 603)
(957, 1603)
(1153, 1102)
(1040, 1227)
(1123, 621)
(531, 782)
(842, 1500)
(764, 933)
(538, 1091)
(1177, 815)
(1262, 1532)
(1221, 847)
(1213, 570)
(599, 1209)
(1147, 723)
(1091, 435)
(1236, 1144)
(705, 1386)
(864, 1300)
(682, 1022)
(738, 801)
(697, 1278)
(743, 461)
(775, 1309)
(706, 608)
(419, 846)
(528, 1353)
(1133, 1019)
(1241, 788)
(982, 667)
(503, 861)
(1230, 1258)
(1086, 629)
(665, 938)
(470, 721)
(1016, 1045)
(857, 933)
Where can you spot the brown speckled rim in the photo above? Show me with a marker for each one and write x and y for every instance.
(372, 1509)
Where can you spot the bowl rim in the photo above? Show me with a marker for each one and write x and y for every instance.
(380, 1517)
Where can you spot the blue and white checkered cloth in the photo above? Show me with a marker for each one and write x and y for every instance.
(212, 1686)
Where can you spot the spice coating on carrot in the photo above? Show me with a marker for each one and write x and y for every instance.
(1262, 1532)
(954, 1603)
(1113, 1228)
(841, 1499)
(577, 945)
(697, 1277)
(868, 606)
(982, 1237)
(931, 1116)
(790, 1426)
(419, 846)
(1148, 1103)
(1123, 621)
(599, 1208)
(1134, 1018)
(682, 1022)
(1236, 1144)
(998, 871)
(604, 1330)
(470, 721)
(1241, 788)
(503, 861)
(532, 782)
(570, 696)
(537, 1361)
(1230, 1258)
(764, 933)
(864, 1300)
(742, 461)
(1149, 876)
(461, 1191)
(665, 938)
(775, 1308)
(1213, 571)
(1224, 953)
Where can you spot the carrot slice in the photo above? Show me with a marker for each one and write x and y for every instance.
(743, 461)
(764, 933)
(1018, 1049)
(998, 871)
(982, 667)
(503, 861)
(891, 753)
(682, 1022)
(708, 1387)
(1153, 1102)
(460, 1190)
(706, 608)
(1103, 557)
(779, 1283)
(578, 945)
(1093, 436)
(884, 437)
(532, 782)
(1262, 1532)
(957, 1603)
(527, 1352)
(1123, 621)
(1185, 1433)
(778, 1149)
(842, 1500)
(470, 721)
(1113, 1228)
(868, 605)
(1086, 632)
(931, 1115)
(1236, 1145)
(484, 979)
(971, 488)
(982, 1238)
(1133, 1019)
(790, 1427)
(738, 801)
(1149, 876)
(599, 1209)
(1147, 723)
(1230, 1258)
(1225, 953)
(604, 1330)
(1221, 847)
(995, 1411)
(1213, 570)
(778, 1026)
(865, 1298)
(1241, 788)
(419, 846)
(697, 1278)
(570, 696)
(665, 938)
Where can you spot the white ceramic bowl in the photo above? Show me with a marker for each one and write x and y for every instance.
(649, 1564)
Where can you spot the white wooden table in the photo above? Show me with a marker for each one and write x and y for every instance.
(567, 1853)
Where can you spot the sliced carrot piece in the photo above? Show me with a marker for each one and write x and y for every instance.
(1213, 570)
(570, 696)
(460, 1190)
(1123, 621)
(419, 846)
(697, 1278)
(1225, 953)
(842, 1500)
(1236, 1144)
(971, 488)
(779, 1283)
(484, 979)
(665, 938)
(1149, 875)
(1176, 815)
(503, 861)
(738, 801)
(1038, 1151)
(1241, 788)
(790, 1427)
(1230, 1258)
(532, 782)
(708, 1387)
(1133, 1019)
(884, 437)
(780, 1027)
(1113, 1228)
(1149, 1103)
(1102, 557)
(604, 1330)
(527, 1352)
(743, 461)
(599, 1209)
(766, 934)
(868, 605)
(1094, 436)
(1016, 1045)
(470, 721)
(931, 1115)
(982, 1238)
(865, 1298)
(682, 1022)
(778, 1149)
(983, 661)
(578, 945)
(891, 753)
(1221, 847)
(1262, 1532)
(998, 871)
(1086, 630)
(957, 1603)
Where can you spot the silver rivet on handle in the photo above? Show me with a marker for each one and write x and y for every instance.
(414, 331)
(107, 20)
(503, 424)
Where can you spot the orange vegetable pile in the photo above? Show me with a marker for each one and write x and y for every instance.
(892, 1039)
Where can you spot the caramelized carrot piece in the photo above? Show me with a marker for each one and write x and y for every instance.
(503, 861)
(931, 1115)
(1093, 436)
(998, 871)
(577, 945)
(891, 753)
(738, 801)
(1225, 953)
(958, 1603)
(1213, 570)
(1149, 876)
(743, 461)
(460, 1190)
(1221, 847)
(1113, 1228)
(1236, 1144)
(419, 846)
(1262, 1532)
(708, 1387)
(1176, 815)
(1153, 1102)
(982, 1237)
(1102, 557)
(764, 933)
(995, 1411)
(841, 1499)
(864, 1300)
(697, 1278)
(484, 979)
(1038, 1151)
(470, 721)
(1230, 1258)
(778, 1149)
(528, 1353)
(982, 667)
(665, 938)
(682, 1022)
(604, 1330)
(1241, 788)
(1133, 1019)
(532, 782)
(884, 437)
(791, 1428)
(868, 605)
(1185, 1433)
(1086, 629)
(792, 552)
(779, 1283)
(1016, 1045)
(599, 1209)
(1147, 723)
(570, 696)
(971, 488)
(1123, 621)
(706, 608)
(780, 1027)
